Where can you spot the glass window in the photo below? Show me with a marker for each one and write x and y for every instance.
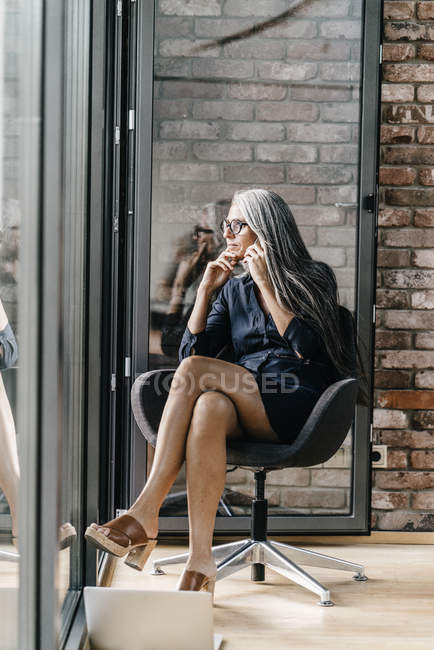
(248, 94)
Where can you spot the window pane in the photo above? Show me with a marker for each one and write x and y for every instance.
(251, 94)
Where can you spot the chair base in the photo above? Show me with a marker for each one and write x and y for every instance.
(281, 558)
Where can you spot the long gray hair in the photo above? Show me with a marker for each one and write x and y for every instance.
(305, 286)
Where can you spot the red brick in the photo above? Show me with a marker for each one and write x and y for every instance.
(424, 340)
(397, 134)
(424, 379)
(398, 10)
(423, 259)
(422, 459)
(411, 237)
(423, 420)
(397, 176)
(400, 72)
(409, 279)
(406, 399)
(409, 197)
(386, 339)
(388, 298)
(411, 439)
(407, 319)
(408, 113)
(408, 155)
(405, 31)
(392, 419)
(397, 93)
(422, 501)
(391, 379)
(393, 259)
(426, 51)
(412, 480)
(398, 51)
(404, 520)
(389, 500)
(425, 10)
(425, 93)
(426, 176)
(424, 218)
(425, 134)
(396, 459)
(423, 299)
(406, 359)
(391, 217)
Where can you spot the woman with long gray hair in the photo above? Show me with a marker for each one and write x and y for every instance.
(281, 317)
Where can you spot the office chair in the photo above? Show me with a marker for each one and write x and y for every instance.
(320, 438)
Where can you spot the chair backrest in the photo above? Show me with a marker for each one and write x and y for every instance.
(327, 426)
(148, 397)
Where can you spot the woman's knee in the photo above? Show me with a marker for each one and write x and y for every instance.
(213, 411)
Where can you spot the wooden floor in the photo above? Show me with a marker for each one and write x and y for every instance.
(394, 609)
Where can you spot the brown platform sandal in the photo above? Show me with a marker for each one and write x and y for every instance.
(126, 536)
(196, 581)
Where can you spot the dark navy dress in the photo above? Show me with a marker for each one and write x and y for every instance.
(289, 386)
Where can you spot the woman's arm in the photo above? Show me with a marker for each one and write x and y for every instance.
(282, 317)
(197, 320)
(295, 331)
(207, 335)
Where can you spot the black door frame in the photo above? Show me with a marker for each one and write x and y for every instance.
(358, 521)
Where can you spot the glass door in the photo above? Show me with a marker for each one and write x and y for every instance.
(234, 95)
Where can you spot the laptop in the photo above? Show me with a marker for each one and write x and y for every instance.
(135, 619)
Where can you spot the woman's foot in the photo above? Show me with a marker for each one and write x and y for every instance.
(193, 580)
(121, 536)
(148, 522)
(207, 567)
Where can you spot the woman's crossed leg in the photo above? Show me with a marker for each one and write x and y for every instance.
(210, 401)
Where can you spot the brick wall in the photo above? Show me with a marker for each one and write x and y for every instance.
(403, 494)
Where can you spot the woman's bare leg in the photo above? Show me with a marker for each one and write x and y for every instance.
(194, 376)
(206, 472)
(9, 467)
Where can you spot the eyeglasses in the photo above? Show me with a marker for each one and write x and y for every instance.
(205, 231)
(234, 226)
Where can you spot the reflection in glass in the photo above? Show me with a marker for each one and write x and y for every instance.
(244, 97)
(10, 220)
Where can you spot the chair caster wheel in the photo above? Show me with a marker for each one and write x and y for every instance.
(360, 578)
(157, 572)
(326, 603)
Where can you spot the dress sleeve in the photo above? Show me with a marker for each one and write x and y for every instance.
(8, 348)
(217, 332)
(302, 338)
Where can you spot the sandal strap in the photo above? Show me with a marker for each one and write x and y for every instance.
(191, 580)
(126, 531)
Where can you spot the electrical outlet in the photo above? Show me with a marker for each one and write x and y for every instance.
(379, 456)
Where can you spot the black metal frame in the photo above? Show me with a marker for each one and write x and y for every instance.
(358, 521)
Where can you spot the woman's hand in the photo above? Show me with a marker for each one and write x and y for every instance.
(219, 270)
(255, 258)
